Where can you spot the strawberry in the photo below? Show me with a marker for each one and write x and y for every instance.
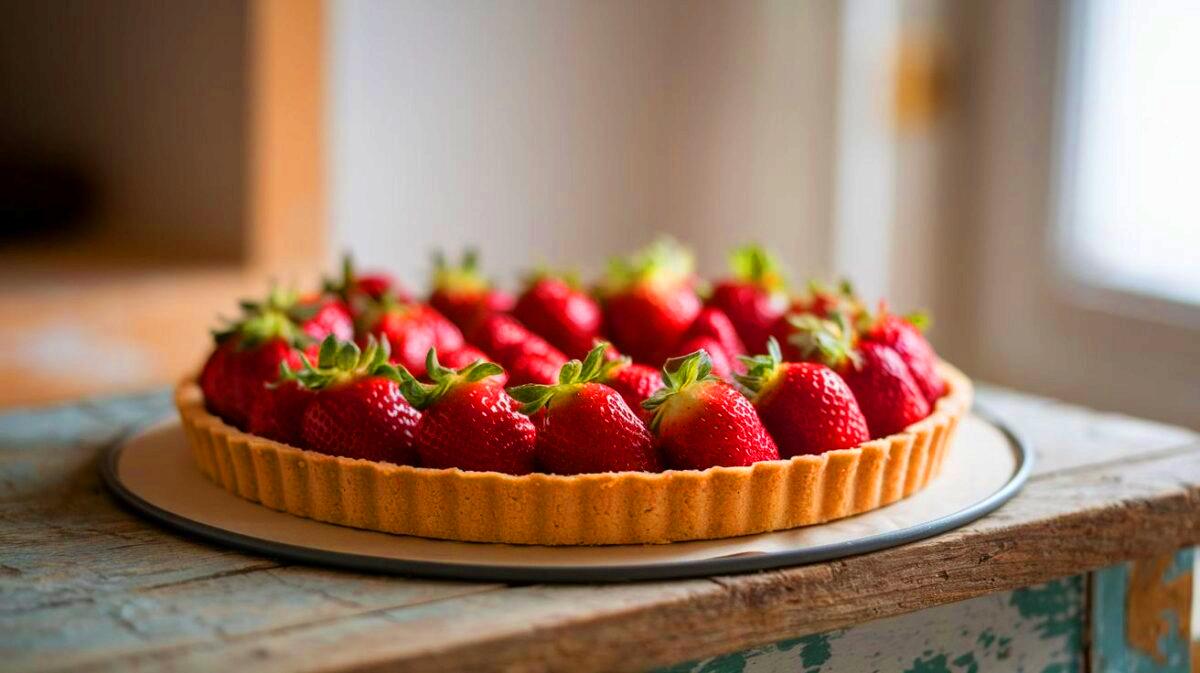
(356, 410)
(823, 300)
(703, 422)
(889, 398)
(323, 316)
(278, 412)
(462, 294)
(557, 310)
(466, 355)
(713, 332)
(410, 330)
(587, 426)
(248, 354)
(358, 290)
(468, 421)
(649, 301)
(316, 315)
(526, 357)
(755, 298)
(806, 406)
(635, 383)
(722, 361)
(905, 337)
(237, 371)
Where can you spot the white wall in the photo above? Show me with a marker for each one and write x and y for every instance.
(567, 131)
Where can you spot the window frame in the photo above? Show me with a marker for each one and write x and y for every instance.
(1076, 285)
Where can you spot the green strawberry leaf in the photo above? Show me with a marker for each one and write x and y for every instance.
(760, 369)
(753, 264)
(679, 374)
(341, 361)
(423, 395)
(573, 373)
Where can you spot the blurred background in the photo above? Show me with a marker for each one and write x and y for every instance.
(1024, 170)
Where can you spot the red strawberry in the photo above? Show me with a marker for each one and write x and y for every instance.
(358, 290)
(411, 330)
(702, 421)
(755, 298)
(712, 322)
(248, 354)
(315, 315)
(722, 361)
(526, 357)
(635, 383)
(587, 427)
(649, 301)
(357, 410)
(467, 355)
(905, 337)
(324, 316)
(556, 309)
(278, 413)
(806, 406)
(238, 370)
(889, 398)
(823, 300)
(462, 294)
(468, 421)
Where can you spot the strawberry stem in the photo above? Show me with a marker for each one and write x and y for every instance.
(753, 264)
(534, 396)
(422, 395)
(760, 369)
(277, 317)
(341, 361)
(830, 342)
(679, 373)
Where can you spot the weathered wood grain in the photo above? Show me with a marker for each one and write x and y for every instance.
(1057, 527)
(131, 594)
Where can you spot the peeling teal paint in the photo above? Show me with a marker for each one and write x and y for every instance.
(929, 664)
(967, 663)
(729, 663)
(1034, 630)
(816, 651)
(1110, 652)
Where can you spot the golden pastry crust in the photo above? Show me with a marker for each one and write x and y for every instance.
(590, 509)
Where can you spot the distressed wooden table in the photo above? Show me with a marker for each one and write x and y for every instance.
(1089, 568)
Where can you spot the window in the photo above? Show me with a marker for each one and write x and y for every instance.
(1130, 197)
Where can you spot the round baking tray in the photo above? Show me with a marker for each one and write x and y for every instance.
(153, 473)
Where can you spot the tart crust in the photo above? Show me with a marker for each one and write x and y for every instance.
(590, 509)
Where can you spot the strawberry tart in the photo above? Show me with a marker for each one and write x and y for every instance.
(645, 409)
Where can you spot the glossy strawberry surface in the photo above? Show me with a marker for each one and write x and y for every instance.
(331, 316)
(648, 319)
(714, 323)
(710, 423)
(465, 307)
(889, 398)
(635, 383)
(809, 409)
(590, 428)
(278, 413)
(914, 349)
(477, 426)
(752, 311)
(362, 418)
(526, 357)
(411, 330)
(566, 317)
(233, 376)
(722, 361)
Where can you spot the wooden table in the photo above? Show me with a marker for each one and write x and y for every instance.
(1089, 568)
